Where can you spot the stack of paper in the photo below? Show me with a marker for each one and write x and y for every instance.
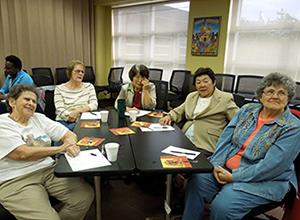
(140, 113)
(90, 116)
(87, 159)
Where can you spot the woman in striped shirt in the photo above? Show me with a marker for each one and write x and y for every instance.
(74, 97)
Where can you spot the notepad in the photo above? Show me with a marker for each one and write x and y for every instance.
(90, 116)
(87, 159)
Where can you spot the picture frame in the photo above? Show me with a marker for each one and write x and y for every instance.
(205, 38)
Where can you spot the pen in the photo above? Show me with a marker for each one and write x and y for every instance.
(93, 113)
(178, 152)
(93, 154)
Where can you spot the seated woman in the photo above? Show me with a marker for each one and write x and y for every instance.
(207, 111)
(74, 97)
(140, 93)
(26, 167)
(253, 161)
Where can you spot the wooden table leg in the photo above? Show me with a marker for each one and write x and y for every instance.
(168, 196)
(97, 180)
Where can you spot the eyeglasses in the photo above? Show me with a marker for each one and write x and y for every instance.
(78, 71)
(271, 93)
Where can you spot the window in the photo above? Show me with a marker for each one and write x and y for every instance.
(154, 35)
(264, 36)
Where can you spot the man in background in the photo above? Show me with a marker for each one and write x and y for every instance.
(14, 76)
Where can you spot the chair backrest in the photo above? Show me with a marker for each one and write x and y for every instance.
(225, 82)
(296, 99)
(179, 81)
(246, 84)
(155, 74)
(42, 76)
(161, 88)
(61, 75)
(115, 79)
(239, 100)
(49, 104)
(89, 75)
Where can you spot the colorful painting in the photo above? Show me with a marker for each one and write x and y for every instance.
(206, 36)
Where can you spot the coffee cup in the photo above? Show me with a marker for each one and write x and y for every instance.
(104, 115)
(111, 150)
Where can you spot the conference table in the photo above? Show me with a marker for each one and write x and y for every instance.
(138, 153)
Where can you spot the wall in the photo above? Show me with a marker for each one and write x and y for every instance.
(208, 8)
(103, 43)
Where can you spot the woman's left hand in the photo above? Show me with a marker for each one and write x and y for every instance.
(73, 150)
(222, 175)
(73, 116)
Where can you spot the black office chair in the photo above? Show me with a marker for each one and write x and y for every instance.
(239, 100)
(161, 88)
(42, 76)
(155, 74)
(61, 75)
(179, 87)
(225, 82)
(49, 110)
(115, 82)
(296, 99)
(246, 86)
(89, 75)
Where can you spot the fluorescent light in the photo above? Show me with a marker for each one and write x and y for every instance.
(185, 6)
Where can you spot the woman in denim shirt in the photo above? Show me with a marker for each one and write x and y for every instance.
(253, 161)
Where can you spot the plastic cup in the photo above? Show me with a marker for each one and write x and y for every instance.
(104, 115)
(112, 151)
(133, 114)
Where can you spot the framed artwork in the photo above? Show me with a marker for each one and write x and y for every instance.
(206, 33)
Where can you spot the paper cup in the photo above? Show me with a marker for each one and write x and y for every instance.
(104, 115)
(133, 114)
(112, 151)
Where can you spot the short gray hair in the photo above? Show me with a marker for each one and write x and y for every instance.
(277, 79)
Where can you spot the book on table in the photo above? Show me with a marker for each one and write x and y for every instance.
(175, 162)
(90, 141)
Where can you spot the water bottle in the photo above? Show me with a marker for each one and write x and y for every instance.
(121, 108)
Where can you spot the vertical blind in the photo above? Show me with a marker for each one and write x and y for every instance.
(264, 36)
(154, 35)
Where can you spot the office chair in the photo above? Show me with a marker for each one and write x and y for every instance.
(161, 88)
(179, 87)
(42, 76)
(155, 74)
(246, 85)
(115, 82)
(89, 75)
(61, 75)
(296, 99)
(49, 110)
(239, 100)
(225, 82)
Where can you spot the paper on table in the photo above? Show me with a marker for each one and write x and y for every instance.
(177, 151)
(87, 159)
(140, 113)
(90, 115)
(157, 127)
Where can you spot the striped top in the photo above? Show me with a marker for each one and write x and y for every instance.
(66, 100)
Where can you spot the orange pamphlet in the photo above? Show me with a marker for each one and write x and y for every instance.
(141, 124)
(90, 124)
(175, 162)
(121, 131)
(90, 141)
(156, 114)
